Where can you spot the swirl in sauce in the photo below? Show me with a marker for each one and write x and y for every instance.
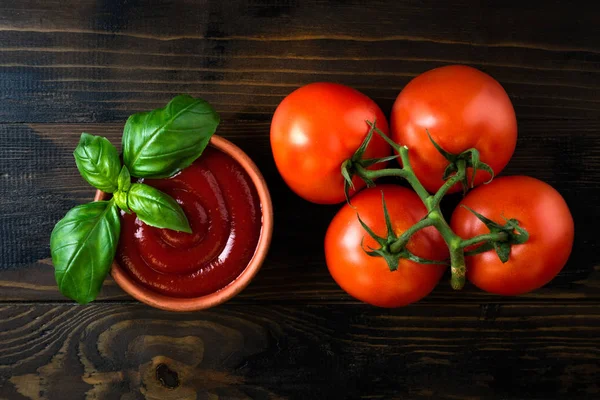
(222, 206)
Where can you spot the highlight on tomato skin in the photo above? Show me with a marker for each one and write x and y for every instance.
(461, 107)
(540, 210)
(315, 129)
(368, 278)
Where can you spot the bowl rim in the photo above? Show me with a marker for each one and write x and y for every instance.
(161, 301)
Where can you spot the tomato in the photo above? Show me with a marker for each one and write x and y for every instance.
(367, 278)
(462, 108)
(315, 129)
(540, 210)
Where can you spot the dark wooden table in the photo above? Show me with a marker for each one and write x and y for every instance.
(71, 66)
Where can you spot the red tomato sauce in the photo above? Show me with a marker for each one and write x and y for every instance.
(223, 209)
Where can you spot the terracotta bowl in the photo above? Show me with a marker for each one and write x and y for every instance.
(161, 301)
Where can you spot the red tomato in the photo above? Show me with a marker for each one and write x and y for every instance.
(540, 210)
(462, 108)
(315, 129)
(367, 278)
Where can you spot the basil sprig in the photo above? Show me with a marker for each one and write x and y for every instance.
(158, 143)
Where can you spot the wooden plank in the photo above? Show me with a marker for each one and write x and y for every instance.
(73, 66)
(301, 352)
(460, 21)
(37, 168)
(85, 93)
(244, 57)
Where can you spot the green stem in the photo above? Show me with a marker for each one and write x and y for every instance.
(487, 237)
(458, 268)
(385, 137)
(412, 178)
(380, 173)
(401, 242)
(456, 178)
(405, 172)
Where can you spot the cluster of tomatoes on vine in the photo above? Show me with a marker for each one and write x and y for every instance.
(452, 129)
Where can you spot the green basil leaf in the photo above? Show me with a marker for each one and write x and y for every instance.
(121, 195)
(98, 162)
(161, 142)
(124, 180)
(83, 246)
(121, 200)
(156, 208)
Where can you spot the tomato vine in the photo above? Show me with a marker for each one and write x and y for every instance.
(393, 247)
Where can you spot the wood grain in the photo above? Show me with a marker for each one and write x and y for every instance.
(89, 63)
(302, 352)
(72, 66)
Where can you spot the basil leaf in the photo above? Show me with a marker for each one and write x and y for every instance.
(121, 200)
(124, 180)
(98, 162)
(120, 195)
(164, 141)
(156, 208)
(83, 246)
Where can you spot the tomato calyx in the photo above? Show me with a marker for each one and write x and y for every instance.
(393, 247)
(501, 237)
(471, 159)
(351, 166)
(359, 166)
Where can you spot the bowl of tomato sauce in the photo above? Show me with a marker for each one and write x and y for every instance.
(228, 206)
